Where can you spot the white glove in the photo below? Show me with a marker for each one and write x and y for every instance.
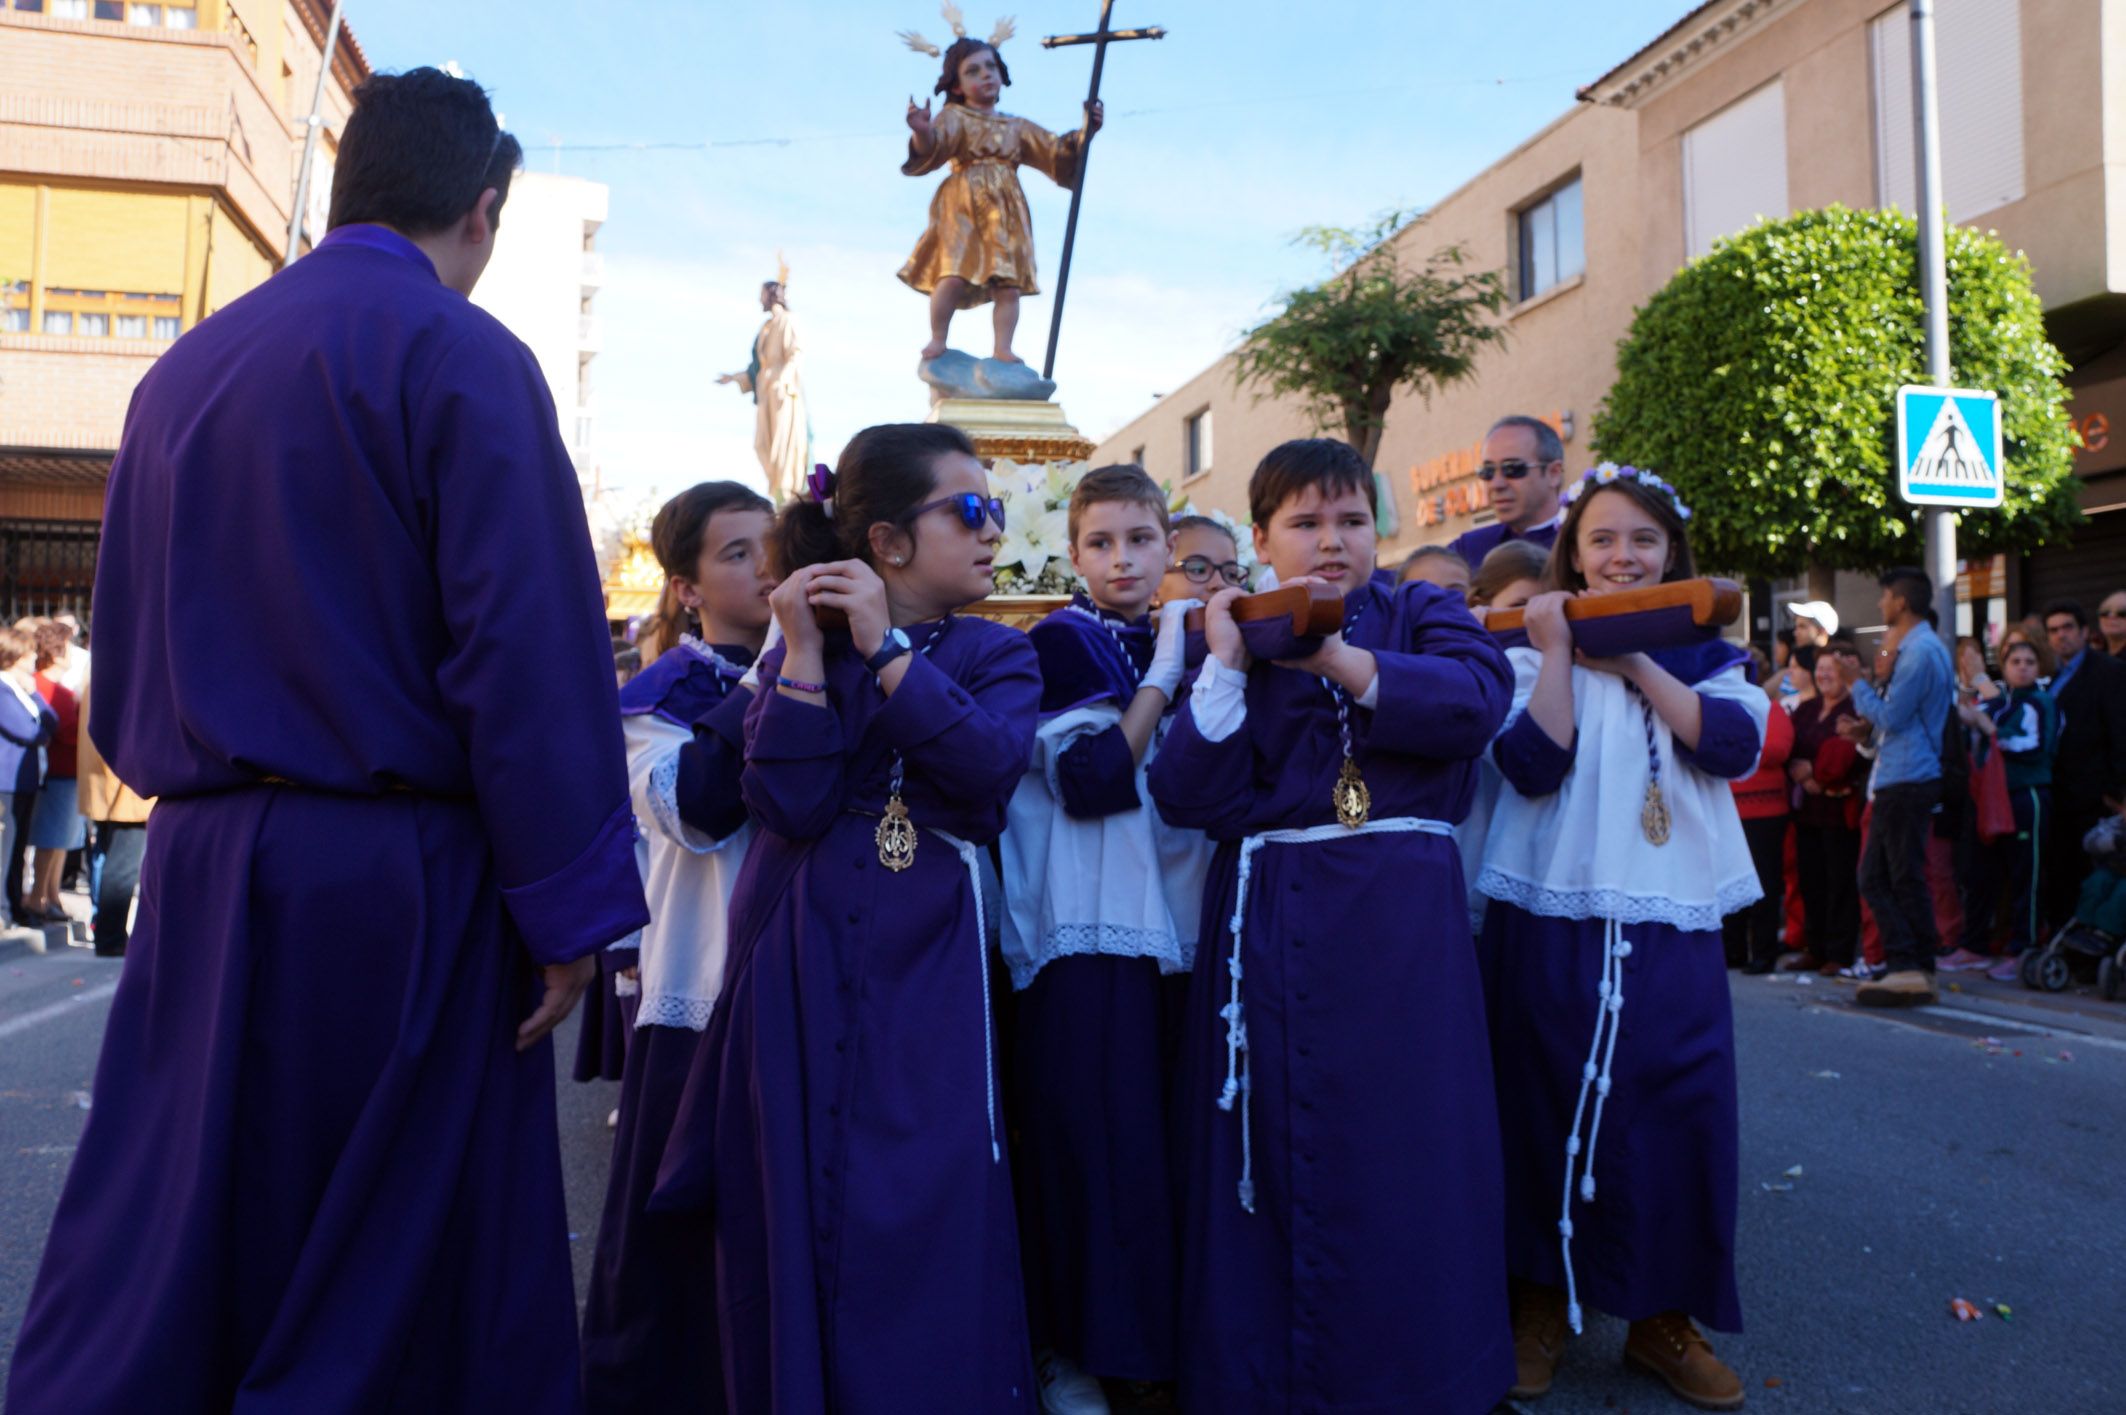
(1166, 667)
(750, 679)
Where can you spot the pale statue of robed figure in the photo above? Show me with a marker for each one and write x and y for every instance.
(978, 248)
(782, 428)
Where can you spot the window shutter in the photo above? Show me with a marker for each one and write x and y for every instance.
(1734, 169)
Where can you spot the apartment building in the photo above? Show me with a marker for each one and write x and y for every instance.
(148, 157)
(1740, 110)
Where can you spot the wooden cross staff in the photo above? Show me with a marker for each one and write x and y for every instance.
(1099, 39)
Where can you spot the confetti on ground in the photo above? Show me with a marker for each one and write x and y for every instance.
(78, 1099)
(1771, 1188)
(1804, 980)
(1793, 1172)
(2066, 1055)
(1964, 1311)
(2007, 1313)
(1773, 1383)
(1825, 1075)
(79, 982)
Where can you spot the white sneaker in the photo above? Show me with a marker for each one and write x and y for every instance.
(1068, 1390)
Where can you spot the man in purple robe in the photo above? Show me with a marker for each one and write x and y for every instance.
(322, 1172)
(1521, 465)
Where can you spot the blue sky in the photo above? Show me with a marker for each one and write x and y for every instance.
(1249, 121)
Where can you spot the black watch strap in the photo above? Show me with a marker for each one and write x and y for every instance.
(890, 650)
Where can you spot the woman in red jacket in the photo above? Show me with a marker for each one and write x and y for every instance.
(1751, 935)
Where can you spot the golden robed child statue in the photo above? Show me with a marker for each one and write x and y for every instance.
(978, 247)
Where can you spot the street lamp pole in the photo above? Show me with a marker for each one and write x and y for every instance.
(315, 122)
(1934, 286)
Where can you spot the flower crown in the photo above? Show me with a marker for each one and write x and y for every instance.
(1597, 477)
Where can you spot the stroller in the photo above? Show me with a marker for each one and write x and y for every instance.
(2097, 930)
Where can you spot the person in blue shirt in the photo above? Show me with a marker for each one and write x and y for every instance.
(1909, 713)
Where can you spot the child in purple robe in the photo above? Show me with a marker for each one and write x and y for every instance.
(1101, 906)
(1612, 857)
(649, 1325)
(1340, 1235)
(322, 1172)
(842, 1121)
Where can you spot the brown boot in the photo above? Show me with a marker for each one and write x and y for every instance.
(1539, 1333)
(1674, 1349)
(1907, 987)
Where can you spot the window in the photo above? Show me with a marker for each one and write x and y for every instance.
(33, 6)
(166, 326)
(14, 321)
(94, 325)
(180, 14)
(58, 322)
(1979, 90)
(143, 14)
(110, 9)
(1136, 455)
(70, 9)
(1734, 169)
(1196, 444)
(131, 326)
(1552, 245)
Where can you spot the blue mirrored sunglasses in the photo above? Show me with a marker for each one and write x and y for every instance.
(972, 508)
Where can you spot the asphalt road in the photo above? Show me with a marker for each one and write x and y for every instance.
(1932, 1165)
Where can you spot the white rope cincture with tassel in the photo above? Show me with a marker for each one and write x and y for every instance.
(971, 857)
(1603, 1044)
(1239, 1081)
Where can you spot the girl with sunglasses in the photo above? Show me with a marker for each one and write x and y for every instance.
(843, 1110)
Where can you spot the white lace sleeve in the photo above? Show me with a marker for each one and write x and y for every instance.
(653, 780)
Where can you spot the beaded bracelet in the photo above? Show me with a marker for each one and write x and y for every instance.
(798, 686)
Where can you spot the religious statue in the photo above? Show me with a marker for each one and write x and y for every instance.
(979, 245)
(782, 429)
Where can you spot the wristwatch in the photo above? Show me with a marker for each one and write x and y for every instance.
(895, 645)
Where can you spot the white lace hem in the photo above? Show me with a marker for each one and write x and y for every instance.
(668, 1010)
(1102, 940)
(664, 807)
(1621, 905)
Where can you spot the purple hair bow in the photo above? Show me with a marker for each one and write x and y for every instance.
(820, 482)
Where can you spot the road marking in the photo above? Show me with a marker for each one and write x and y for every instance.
(58, 1009)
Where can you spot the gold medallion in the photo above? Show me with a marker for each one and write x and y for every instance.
(1653, 816)
(895, 835)
(1353, 801)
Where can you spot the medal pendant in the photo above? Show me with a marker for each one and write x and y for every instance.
(895, 836)
(1353, 801)
(1653, 816)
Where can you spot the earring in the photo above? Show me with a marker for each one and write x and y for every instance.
(896, 559)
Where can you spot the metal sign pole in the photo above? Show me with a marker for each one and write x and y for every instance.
(314, 123)
(1934, 287)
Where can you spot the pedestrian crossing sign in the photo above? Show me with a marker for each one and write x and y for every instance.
(1949, 447)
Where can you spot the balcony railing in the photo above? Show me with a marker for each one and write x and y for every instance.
(593, 269)
(590, 333)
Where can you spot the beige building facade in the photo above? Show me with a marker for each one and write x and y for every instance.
(1747, 109)
(148, 156)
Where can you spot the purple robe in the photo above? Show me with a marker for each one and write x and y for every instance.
(649, 1325)
(1474, 545)
(1093, 1043)
(350, 633)
(608, 1018)
(1369, 1276)
(1660, 1235)
(842, 1116)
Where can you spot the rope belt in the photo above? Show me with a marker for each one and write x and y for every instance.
(1238, 1077)
(1604, 1044)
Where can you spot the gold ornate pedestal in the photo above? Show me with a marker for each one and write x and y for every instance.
(1016, 430)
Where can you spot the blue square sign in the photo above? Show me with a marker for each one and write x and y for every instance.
(1949, 447)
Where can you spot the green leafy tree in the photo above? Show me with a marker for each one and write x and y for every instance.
(1762, 381)
(1380, 323)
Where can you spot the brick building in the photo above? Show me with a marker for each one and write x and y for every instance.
(148, 158)
(1745, 109)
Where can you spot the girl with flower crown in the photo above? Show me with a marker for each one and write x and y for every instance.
(1613, 855)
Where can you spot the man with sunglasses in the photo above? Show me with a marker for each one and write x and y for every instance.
(1521, 465)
